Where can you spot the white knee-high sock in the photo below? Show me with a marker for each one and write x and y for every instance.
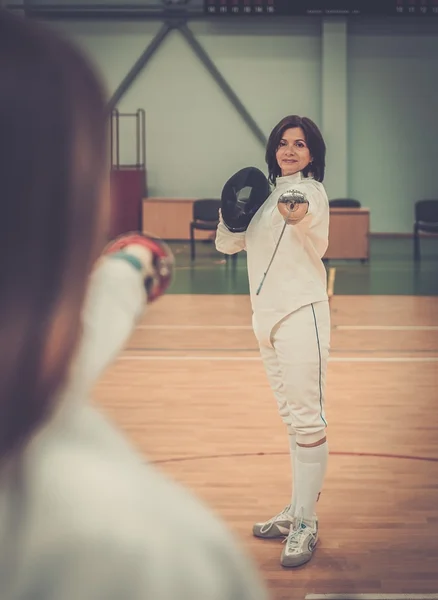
(311, 466)
(293, 460)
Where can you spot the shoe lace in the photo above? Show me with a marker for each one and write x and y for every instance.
(280, 517)
(293, 540)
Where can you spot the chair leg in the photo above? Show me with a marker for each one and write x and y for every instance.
(232, 257)
(417, 256)
(192, 243)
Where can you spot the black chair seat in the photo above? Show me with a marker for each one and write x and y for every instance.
(205, 226)
(426, 220)
(428, 227)
(344, 203)
(205, 218)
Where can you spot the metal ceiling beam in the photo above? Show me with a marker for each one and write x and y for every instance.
(157, 11)
(110, 11)
(222, 83)
(140, 64)
(188, 35)
(174, 17)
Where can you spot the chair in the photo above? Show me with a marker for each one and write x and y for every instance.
(344, 203)
(426, 220)
(205, 218)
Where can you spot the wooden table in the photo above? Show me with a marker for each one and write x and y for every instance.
(169, 219)
(349, 234)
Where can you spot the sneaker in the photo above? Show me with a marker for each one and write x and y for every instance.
(278, 526)
(300, 544)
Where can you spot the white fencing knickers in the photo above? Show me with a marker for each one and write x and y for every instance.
(295, 359)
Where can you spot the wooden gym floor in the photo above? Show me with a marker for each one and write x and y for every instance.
(191, 393)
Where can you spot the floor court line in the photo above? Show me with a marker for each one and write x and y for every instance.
(194, 458)
(335, 327)
(338, 359)
(371, 597)
(386, 327)
(255, 349)
(184, 327)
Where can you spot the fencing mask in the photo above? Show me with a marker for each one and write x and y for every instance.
(242, 196)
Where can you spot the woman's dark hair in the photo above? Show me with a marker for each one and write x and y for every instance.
(314, 140)
(52, 162)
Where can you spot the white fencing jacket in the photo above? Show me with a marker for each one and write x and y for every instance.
(83, 517)
(297, 276)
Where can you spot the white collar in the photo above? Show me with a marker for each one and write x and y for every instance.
(288, 179)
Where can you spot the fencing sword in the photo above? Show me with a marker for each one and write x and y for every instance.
(291, 198)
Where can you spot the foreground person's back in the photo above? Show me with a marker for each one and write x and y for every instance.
(81, 516)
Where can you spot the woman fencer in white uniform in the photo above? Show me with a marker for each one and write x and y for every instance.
(291, 317)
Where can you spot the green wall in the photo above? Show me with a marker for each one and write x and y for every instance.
(370, 85)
